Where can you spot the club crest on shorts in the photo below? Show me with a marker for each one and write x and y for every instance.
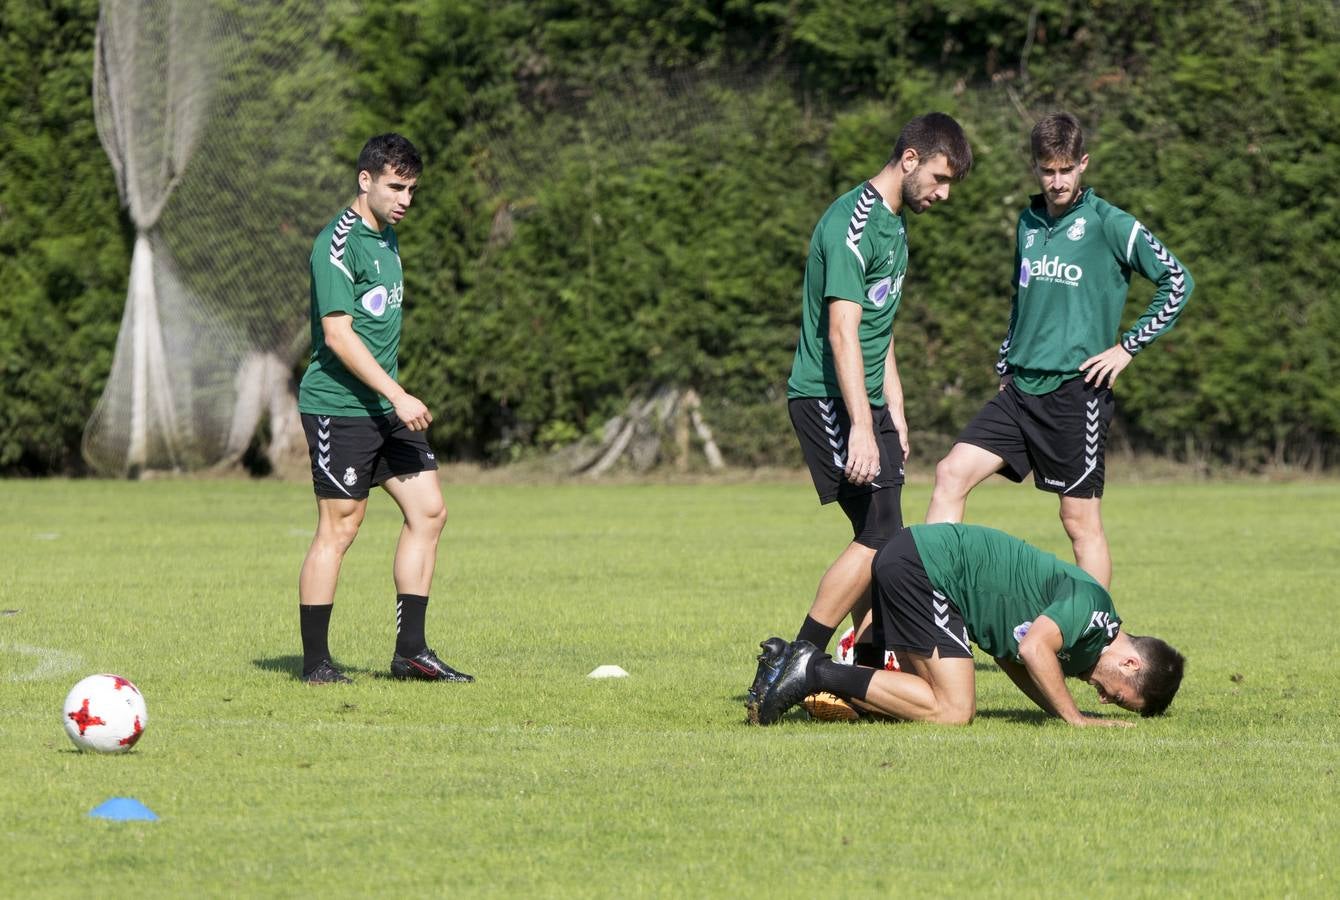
(1076, 231)
(350, 477)
(1020, 630)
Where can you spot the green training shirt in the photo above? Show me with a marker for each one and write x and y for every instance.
(1002, 584)
(858, 253)
(1072, 276)
(355, 270)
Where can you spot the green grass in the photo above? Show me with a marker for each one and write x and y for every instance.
(538, 780)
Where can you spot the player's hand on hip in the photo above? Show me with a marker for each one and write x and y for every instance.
(411, 410)
(862, 456)
(1102, 370)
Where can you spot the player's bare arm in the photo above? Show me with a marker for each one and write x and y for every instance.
(1024, 682)
(1038, 652)
(1102, 370)
(893, 395)
(340, 337)
(844, 320)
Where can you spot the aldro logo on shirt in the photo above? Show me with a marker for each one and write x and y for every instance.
(1050, 269)
(378, 300)
(880, 292)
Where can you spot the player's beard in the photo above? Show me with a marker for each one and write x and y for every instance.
(914, 187)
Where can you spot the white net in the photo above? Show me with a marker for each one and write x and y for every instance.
(218, 117)
(578, 156)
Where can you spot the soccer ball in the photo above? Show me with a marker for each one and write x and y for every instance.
(846, 652)
(105, 713)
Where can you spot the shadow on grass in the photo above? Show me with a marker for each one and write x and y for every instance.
(1022, 716)
(1031, 716)
(291, 665)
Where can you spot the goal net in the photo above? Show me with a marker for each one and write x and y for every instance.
(219, 119)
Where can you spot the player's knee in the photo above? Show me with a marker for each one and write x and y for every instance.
(340, 533)
(951, 477)
(1082, 523)
(955, 713)
(955, 703)
(429, 520)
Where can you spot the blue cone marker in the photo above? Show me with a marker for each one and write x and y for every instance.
(123, 809)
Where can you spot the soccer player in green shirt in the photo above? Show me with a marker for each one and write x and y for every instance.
(364, 429)
(1074, 256)
(938, 587)
(845, 397)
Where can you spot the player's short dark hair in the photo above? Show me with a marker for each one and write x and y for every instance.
(1057, 136)
(389, 150)
(1160, 676)
(936, 134)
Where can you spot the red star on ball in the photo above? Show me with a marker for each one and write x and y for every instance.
(83, 719)
(129, 740)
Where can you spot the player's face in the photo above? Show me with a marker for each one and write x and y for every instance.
(388, 194)
(1114, 686)
(927, 184)
(1059, 180)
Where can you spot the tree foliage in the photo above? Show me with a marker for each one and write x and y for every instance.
(619, 194)
(64, 250)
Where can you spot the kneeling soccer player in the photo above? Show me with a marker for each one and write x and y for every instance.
(937, 587)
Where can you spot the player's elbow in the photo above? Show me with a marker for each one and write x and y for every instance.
(840, 339)
(1032, 653)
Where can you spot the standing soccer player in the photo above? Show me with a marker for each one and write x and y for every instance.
(363, 428)
(1074, 257)
(845, 397)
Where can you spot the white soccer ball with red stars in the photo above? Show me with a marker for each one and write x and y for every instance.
(105, 713)
(846, 652)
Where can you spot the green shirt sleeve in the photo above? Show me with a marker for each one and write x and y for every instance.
(1003, 366)
(333, 283)
(844, 267)
(1084, 614)
(1141, 252)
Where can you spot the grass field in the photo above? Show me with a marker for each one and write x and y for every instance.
(538, 780)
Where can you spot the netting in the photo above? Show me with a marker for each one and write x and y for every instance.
(577, 157)
(218, 117)
(620, 125)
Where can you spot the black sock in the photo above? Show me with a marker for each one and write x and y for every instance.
(868, 655)
(315, 623)
(817, 633)
(409, 614)
(846, 681)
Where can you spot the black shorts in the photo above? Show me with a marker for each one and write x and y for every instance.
(822, 424)
(1061, 436)
(352, 454)
(910, 614)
